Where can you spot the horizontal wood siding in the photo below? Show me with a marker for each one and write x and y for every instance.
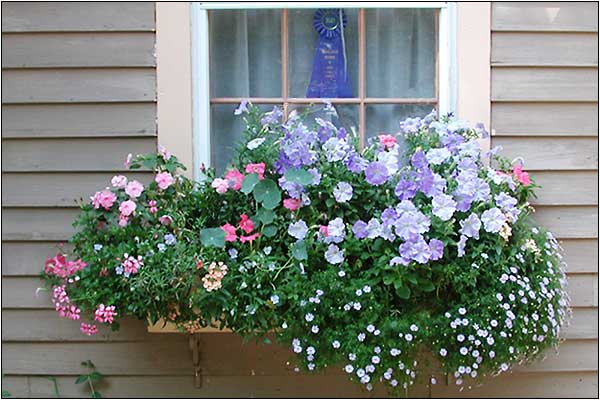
(545, 109)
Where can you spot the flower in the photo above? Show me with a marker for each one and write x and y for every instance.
(220, 185)
(388, 141)
(342, 192)
(162, 150)
(254, 143)
(437, 249)
(470, 226)
(258, 168)
(443, 206)
(242, 108)
(165, 220)
(334, 255)
(212, 280)
(360, 229)
(376, 173)
(131, 265)
(88, 329)
(119, 181)
(127, 208)
(249, 238)
(104, 199)
(438, 156)
(105, 314)
(230, 234)
(152, 204)
(493, 220)
(234, 179)
(274, 299)
(246, 223)
(521, 175)
(170, 239)
(164, 180)
(134, 189)
(298, 230)
(292, 204)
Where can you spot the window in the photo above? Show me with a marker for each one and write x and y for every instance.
(396, 60)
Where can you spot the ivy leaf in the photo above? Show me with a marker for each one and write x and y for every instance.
(298, 176)
(299, 250)
(249, 183)
(213, 237)
(270, 230)
(403, 292)
(265, 216)
(267, 193)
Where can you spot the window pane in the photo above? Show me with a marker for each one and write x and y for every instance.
(245, 53)
(347, 115)
(226, 132)
(385, 118)
(302, 44)
(400, 53)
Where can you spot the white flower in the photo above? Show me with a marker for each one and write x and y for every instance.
(375, 359)
(394, 382)
(366, 289)
(297, 349)
(284, 325)
(370, 368)
(309, 317)
(349, 369)
(377, 349)
(352, 357)
(438, 156)
(298, 229)
(358, 292)
(394, 352)
(315, 329)
(254, 143)
(464, 351)
(408, 337)
(361, 337)
(310, 350)
(376, 332)
(370, 328)
(460, 338)
(360, 372)
(414, 328)
(275, 299)
(341, 274)
(443, 206)
(336, 344)
(492, 354)
(342, 192)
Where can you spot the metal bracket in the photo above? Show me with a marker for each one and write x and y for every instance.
(195, 348)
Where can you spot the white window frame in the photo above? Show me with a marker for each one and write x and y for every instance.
(447, 74)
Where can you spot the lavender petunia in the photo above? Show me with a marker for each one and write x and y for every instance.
(461, 245)
(438, 156)
(437, 249)
(376, 173)
(493, 219)
(242, 108)
(360, 229)
(298, 230)
(405, 189)
(470, 226)
(443, 207)
(410, 125)
(336, 231)
(342, 192)
(334, 255)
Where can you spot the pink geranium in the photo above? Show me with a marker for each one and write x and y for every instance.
(250, 238)
(88, 329)
(235, 179)
(127, 208)
(258, 168)
(162, 150)
(105, 314)
(104, 199)
(59, 266)
(131, 265)
(134, 189)
(165, 220)
(292, 204)
(164, 180)
(230, 235)
(123, 220)
(521, 175)
(387, 140)
(152, 204)
(119, 181)
(220, 185)
(246, 223)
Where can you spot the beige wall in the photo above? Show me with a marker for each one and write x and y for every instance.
(79, 90)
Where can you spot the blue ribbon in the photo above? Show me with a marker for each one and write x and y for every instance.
(329, 77)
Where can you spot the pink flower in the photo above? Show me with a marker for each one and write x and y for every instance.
(387, 140)
(165, 220)
(162, 150)
(59, 266)
(88, 329)
(258, 168)
(164, 180)
(230, 235)
(152, 204)
(250, 238)
(104, 199)
(134, 189)
(292, 204)
(62, 304)
(123, 220)
(246, 223)
(105, 314)
(323, 230)
(220, 185)
(131, 265)
(521, 175)
(119, 181)
(235, 179)
(127, 208)
(127, 162)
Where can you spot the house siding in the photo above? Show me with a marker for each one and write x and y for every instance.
(79, 94)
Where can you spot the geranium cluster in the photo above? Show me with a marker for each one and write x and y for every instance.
(362, 258)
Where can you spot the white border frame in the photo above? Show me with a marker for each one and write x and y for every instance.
(201, 67)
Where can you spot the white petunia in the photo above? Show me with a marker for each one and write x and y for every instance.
(254, 143)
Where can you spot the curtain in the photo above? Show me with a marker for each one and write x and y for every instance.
(245, 61)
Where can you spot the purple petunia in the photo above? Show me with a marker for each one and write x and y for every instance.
(437, 249)
(443, 207)
(493, 219)
(360, 229)
(242, 108)
(410, 125)
(461, 245)
(342, 192)
(376, 173)
(470, 226)
(405, 189)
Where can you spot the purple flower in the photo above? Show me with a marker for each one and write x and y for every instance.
(342, 192)
(355, 163)
(461, 245)
(504, 200)
(410, 125)
(425, 179)
(242, 108)
(335, 149)
(334, 255)
(493, 219)
(443, 207)
(294, 189)
(419, 160)
(415, 249)
(406, 226)
(389, 216)
(298, 230)
(437, 249)
(373, 228)
(376, 173)
(452, 140)
(438, 156)
(480, 128)
(316, 175)
(336, 230)
(360, 229)
(470, 226)
(272, 117)
(405, 189)
(170, 239)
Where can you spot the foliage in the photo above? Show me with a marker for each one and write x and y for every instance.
(90, 378)
(359, 258)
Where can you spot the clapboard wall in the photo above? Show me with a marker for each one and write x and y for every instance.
(79, 94)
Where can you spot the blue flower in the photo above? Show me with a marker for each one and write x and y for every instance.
(298, 229)
(170, 239)
(275, 299)
(98, 247)
(342, 192)
(334, 255)
(161, 247)
(376, 173)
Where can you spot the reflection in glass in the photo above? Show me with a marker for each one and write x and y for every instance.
(302, 41)
(400, 53)
(245, 53)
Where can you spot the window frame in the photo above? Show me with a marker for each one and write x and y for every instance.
(445, 85)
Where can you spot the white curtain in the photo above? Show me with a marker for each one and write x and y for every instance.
(245, 61)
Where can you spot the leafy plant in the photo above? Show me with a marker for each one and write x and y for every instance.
(91, 378)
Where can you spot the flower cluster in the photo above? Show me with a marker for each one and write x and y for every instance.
(359, 257)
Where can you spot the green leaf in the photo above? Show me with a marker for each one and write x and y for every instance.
(213, 237)
(403, 292)
(298, 176)
(426, 286)
(265, 216)
(249, 183)
(412, 278)
(95, 376)
(81, 379)
(299, 250)
(270, 230)
(267, 193)
(96, 395)
(388, 278)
